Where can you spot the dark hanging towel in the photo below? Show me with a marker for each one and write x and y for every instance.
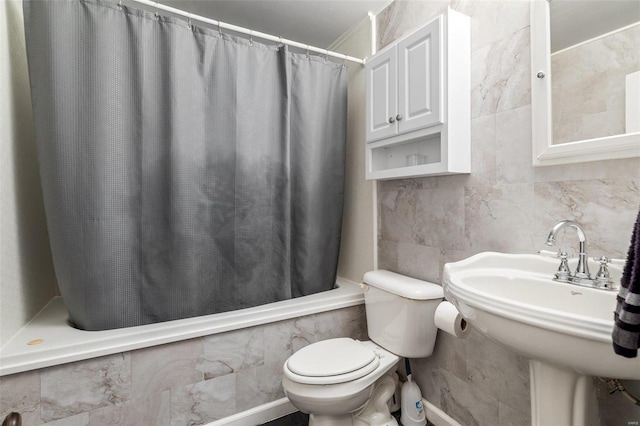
(626, 331)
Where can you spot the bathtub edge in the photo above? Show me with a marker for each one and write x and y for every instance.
(72, 345)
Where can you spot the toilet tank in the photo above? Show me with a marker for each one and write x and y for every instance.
(400, 312)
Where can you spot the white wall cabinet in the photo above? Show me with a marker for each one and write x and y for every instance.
(382, 95)
(405, 84)
(418, 102)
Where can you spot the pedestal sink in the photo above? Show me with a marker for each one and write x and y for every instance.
(564, 329)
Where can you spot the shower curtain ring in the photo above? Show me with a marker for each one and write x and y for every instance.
(344, 64)
(189, 22)
(220, 30)
(120, 5)
(326, 55)
(308, 57)
(250, 37)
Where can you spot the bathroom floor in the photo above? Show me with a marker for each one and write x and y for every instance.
(301, 419)
(293, 419)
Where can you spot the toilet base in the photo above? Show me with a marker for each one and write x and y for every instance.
(320, 420)
(374, 413)
(346, 420)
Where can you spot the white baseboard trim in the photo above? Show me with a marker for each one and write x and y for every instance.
(282, 407)
(437, 416)
(258, 415)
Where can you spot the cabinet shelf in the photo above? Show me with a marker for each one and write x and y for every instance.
(418, 102)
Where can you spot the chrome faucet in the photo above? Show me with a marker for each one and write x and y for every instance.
(582, 274)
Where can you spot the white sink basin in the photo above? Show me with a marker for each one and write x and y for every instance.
(564, 328)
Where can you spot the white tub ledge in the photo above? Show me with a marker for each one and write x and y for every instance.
(62, 343)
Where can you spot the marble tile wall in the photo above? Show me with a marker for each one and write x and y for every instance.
(505, 205)
(191, 382)
(591, 104)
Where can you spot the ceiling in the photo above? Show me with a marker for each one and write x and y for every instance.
(575, 21)
(315, 22)
(320, 22)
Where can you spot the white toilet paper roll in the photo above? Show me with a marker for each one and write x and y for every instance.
(448, 319)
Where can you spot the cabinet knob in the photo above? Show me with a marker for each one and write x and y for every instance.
(392, 120)
(398, 117)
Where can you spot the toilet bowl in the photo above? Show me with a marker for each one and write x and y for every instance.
(345, 382)
(344, 387)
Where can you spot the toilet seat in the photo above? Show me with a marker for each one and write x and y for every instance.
(330, 362)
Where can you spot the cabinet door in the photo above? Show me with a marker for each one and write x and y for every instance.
(381, 81)
(420, 78)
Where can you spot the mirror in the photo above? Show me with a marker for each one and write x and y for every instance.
(584, 107)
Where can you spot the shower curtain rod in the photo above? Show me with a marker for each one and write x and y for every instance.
(249, 32)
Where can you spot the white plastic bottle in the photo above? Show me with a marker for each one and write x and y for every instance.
(412, 413)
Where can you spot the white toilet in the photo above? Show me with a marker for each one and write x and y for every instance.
(345, 382)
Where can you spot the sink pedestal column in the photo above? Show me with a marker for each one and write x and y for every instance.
(560, 396)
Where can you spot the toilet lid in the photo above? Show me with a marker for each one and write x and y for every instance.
(344, 358)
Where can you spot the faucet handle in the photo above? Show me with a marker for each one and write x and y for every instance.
(603, 277)
(621, 262)
(563, 273)
(550, 253)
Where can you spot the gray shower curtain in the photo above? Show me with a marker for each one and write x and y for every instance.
(184, 172)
